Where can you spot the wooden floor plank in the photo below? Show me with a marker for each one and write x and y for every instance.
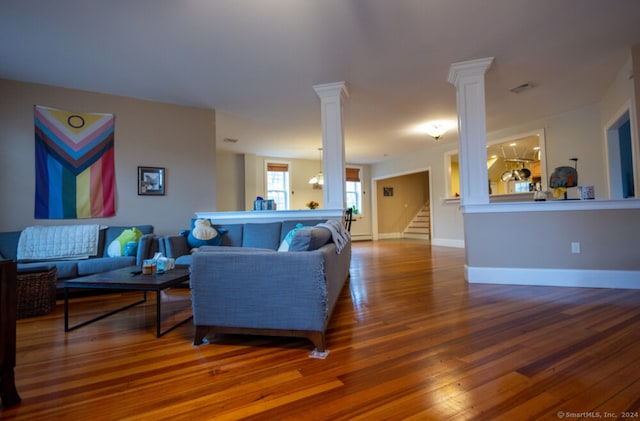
(409, 339)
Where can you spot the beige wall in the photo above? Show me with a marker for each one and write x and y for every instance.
(410, 193)
(300, 171)
(181, 139)
(447, 228)
(608, 239)
(576, 133)
(230, 189)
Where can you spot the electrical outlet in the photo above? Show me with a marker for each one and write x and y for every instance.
(575, 248)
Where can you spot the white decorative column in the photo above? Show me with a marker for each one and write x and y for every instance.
(468, 78)
(333, 160)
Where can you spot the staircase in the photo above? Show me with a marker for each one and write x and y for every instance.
(419, 227)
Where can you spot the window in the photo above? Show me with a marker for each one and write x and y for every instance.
(353, 190)
(278, 184)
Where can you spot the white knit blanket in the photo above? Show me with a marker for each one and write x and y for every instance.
(339, 233)
(58, 242)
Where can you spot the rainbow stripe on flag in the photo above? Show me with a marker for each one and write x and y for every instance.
(75, 169)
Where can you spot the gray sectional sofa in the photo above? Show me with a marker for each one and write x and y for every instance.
(253, 235)
(148, 245)
(246, 286)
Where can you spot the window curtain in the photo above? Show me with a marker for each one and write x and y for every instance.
(275, 167)
(353, 174)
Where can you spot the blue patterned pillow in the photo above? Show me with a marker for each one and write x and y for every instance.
(284, 246)
(309, 238)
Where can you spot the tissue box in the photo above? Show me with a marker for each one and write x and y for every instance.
(164, 264)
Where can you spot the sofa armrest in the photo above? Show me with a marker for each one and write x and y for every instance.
(148, 245)
(175, 246)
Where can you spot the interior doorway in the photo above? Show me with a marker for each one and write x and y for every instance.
(399, 206)
(621, 158)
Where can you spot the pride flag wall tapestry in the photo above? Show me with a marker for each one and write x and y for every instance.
(75, 171)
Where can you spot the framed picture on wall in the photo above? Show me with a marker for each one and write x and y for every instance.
(387, 191)
(150, 181)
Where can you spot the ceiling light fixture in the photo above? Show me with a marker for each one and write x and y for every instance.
(435, 129)
(318, 179)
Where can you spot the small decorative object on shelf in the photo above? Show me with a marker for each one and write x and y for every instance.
(264, 204)
(538, 194)
(562, 178)
(313, 204)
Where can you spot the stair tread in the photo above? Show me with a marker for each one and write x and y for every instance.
(420, 224)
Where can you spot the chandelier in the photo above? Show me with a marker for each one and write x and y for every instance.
(318, 179)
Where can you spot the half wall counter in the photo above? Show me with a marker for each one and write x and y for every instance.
(241, 217)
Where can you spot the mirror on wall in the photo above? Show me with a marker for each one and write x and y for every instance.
(515, 166)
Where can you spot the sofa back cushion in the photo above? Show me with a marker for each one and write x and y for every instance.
(233, 236)
(309, 238)
(265, 235)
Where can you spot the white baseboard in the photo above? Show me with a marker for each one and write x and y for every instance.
(389, 235)
(447, 242)
(443, 242)
(416, 236)
(626, 279)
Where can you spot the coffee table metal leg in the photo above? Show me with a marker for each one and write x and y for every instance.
(67, 328)
(66, 309)
(158, 301)
(158, 314)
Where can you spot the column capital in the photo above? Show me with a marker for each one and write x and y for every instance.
(327, 90)
(471, 68)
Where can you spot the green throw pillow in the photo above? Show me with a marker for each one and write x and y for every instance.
(116, 248)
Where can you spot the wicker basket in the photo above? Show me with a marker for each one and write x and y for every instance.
(36, 292)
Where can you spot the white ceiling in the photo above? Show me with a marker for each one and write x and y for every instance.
(255, 61)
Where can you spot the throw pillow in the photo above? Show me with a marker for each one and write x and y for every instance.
(309, 239)
(284, 246)
(130, 249)
(203, 234)
(116, 248)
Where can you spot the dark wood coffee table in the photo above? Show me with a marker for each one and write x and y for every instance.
(130, 278)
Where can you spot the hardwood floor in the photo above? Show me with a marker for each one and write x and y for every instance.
(409, 339)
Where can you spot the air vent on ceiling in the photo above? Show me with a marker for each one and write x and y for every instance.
(524, 87)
